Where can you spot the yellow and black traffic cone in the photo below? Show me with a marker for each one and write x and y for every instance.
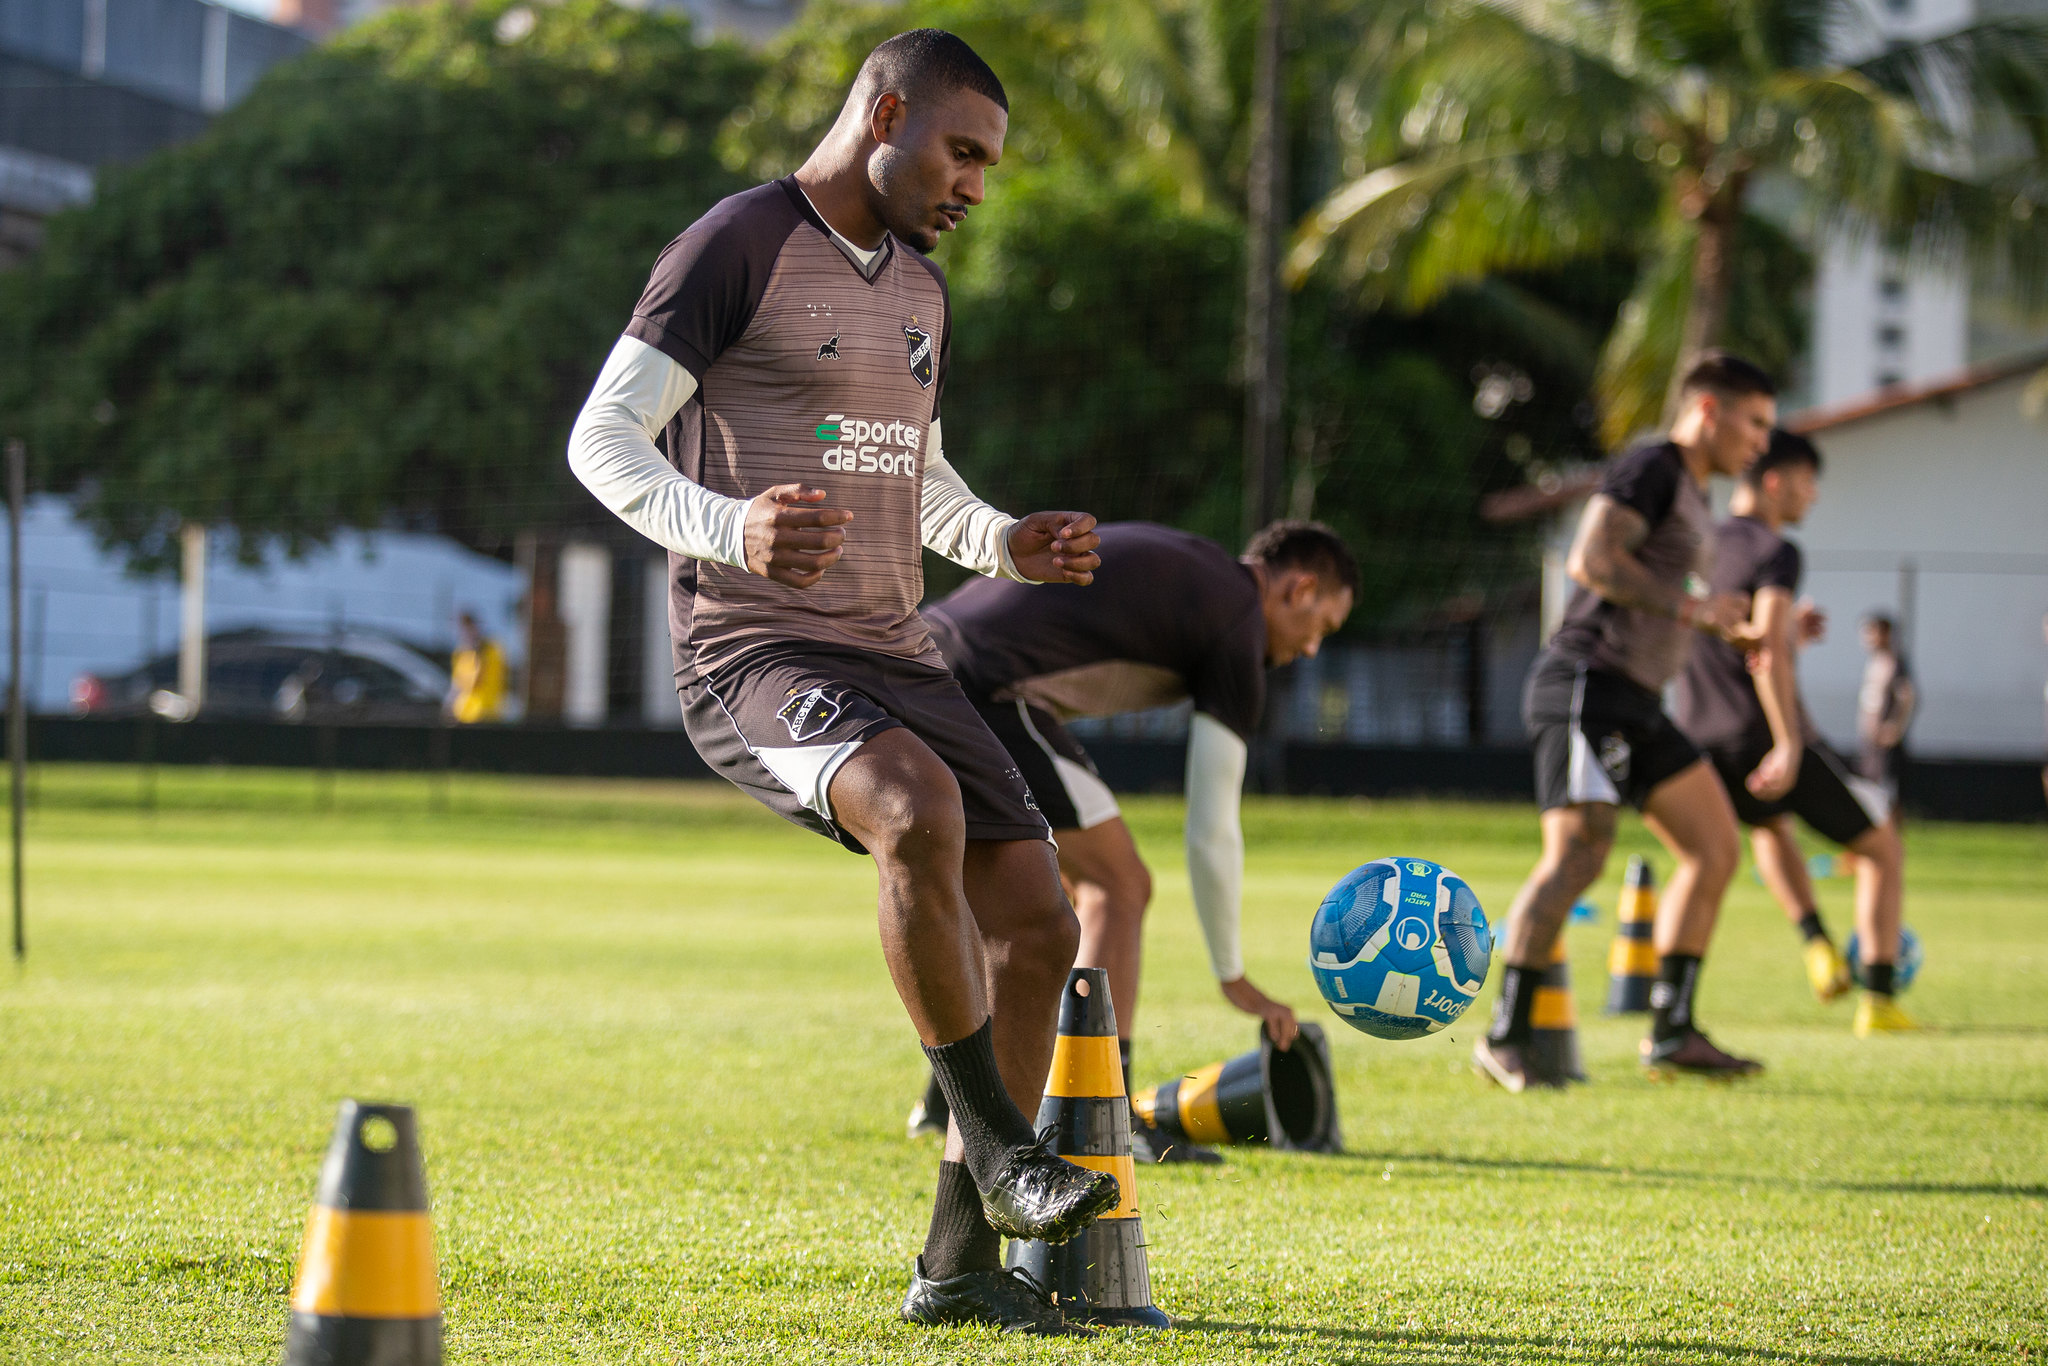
(1554, 1020)
(366, 1294)
(1632, 958)
(1102, 1275)
(1286, 1098)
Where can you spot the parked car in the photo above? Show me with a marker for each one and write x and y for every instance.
(265, 675)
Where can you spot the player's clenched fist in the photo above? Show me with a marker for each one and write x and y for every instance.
(1056, 547)
(791, 540)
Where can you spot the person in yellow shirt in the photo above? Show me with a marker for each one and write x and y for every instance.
(476, 684)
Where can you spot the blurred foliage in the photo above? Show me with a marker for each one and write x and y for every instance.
(379, 288)
(1480, 137)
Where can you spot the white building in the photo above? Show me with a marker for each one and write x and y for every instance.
(1934, 509)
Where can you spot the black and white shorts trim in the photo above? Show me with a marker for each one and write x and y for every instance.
(780, 721)
(1838, 803)
(1599, 737)
(1061, 774)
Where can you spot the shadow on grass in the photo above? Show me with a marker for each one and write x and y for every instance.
(1487, 1349)
(1481, 1164)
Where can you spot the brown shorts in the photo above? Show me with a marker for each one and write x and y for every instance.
(779, 720)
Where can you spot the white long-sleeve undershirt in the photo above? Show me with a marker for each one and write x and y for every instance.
(611, 449)
(1215, 839)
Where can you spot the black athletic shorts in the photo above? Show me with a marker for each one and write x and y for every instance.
(1827, 796)
(1599, 737)
(1062, 776)
(779, 720)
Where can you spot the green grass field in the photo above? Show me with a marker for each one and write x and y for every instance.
(661, 1080)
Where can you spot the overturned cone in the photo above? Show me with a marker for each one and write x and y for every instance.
(1632, 958)
(366, 1293)
(1102, 1276)
(1286, 1098)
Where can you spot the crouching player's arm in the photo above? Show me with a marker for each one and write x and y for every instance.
(1215, 841)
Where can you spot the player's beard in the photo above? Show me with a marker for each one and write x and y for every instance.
(894, 174)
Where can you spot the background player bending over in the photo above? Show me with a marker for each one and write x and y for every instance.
(1171, 616)
(1602, 738)
(772, 417)
(1747, 715)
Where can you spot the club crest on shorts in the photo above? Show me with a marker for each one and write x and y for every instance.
(807, 714)
(1614, 757)
(920, 355)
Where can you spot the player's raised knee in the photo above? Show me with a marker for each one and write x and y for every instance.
(902, 801)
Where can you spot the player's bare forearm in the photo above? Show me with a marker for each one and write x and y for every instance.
(1277, 1016)
(1776, 674)
(1603, 559)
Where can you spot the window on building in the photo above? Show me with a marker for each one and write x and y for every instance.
(1899, 9)
(1891, 289)
(1891, 336)
(1888, 379)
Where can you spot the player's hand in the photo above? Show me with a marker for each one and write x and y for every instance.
(791, 540)
(1279, 1019)
(1811, 623)
(1726, 615)
(1056, 547)
(1776, 775)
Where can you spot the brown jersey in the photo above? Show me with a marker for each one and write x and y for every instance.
(810, 368)
(1645, 647)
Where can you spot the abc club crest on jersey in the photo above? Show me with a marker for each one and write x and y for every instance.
(920, 355)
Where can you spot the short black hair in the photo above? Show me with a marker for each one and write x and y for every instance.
(927, 59)
(1292, 543)
(1786, 449)
(1727, 374)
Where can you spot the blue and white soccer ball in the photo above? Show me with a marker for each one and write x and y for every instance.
(1903, 972)
(1400, 947)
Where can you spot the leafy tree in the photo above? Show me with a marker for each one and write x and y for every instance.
(378, 288)
(1486, 137)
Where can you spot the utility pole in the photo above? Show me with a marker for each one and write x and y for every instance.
(1265, 314)
(17, 699)
(192, 617)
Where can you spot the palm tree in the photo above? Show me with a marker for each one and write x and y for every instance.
(1492, 135)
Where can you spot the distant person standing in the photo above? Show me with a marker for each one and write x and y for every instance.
(476, 676)
(1884, 706)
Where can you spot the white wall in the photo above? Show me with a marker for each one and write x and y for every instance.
(1938, 514)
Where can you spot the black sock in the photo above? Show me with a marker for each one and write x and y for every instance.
(989, 1121)
(1671, 999)
(1877, 977)
(1123, 1052)
(960, 1239)
(1517, 999)
(935, 1101)
(1810, 927)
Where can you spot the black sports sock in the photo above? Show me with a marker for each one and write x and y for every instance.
(960, 1239)
(1810, 927)
(1123, 1052)
(935, 1108)
(1517, 999)
(1671, 999)
(1877, 977)
(989, 1121)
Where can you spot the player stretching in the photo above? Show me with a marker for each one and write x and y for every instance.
(1771, 759)
(1171, 616)
(1600, 732)
(789, 357)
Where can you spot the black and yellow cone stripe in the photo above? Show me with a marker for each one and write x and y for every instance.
(1632, 957)
(1264, 1096)
(366, 1290)
(1554, 1019)
(1102, 1276)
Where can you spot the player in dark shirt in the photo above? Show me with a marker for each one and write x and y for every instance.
(1600, 732)
(772, 417)
(1745, 712)
(1171, 617)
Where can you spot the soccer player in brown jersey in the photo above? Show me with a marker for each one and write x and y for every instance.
(1593, 709)
(1172, 617)
(772, 417)
(1744, 711)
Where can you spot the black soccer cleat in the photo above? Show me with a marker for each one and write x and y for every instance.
(1041, 1197)
(1512, 1067)
(1694, 1053)
(1149, 1144)
(1008, 1299)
